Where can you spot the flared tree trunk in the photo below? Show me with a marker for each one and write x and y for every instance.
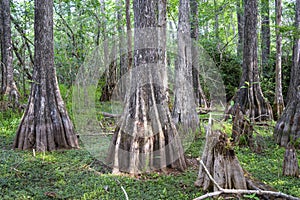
(184, 111)
(279, 103)
(290, 162)
(287, 129)
(45, 125)
(200, 98)
(8, 84)
(249, 97)
(146, 138)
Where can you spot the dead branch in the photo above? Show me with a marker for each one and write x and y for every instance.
(239, 191)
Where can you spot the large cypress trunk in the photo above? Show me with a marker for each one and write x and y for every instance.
(45, 125)
(146, 138)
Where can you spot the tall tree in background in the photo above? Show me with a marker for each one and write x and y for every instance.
(8, 84)
(249, 98)
(146, 138)
(45, 125)
(287, 129)
(200, 97)
(184, 111)
(241, 24)
(265, 35)
(279, 103)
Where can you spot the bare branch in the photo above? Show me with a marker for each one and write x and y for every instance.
(239, 191)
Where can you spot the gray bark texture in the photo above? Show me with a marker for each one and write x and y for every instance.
(8, 84)
(265, 36)
(45, 125)
(200, 98)
(146, 138)
(184, 110)
(249, 97)
(279, 103)
(221, 162)
(287, 129)
(241, 25)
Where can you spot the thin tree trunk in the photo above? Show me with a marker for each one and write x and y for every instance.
(129, 35)
(45, 125)
(241, 24)
(184, 110)
(279, 103)
(265, 36)
(200, 98)
(8, 84)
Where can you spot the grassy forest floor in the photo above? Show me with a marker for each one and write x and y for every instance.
(76, 174)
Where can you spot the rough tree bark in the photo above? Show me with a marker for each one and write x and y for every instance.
(241, 24)
(184, 110)
(265, 36)
(249, 97)
(8, 84)
(146, 137)
(290, 162)
(279, 103)
(200, 98)
(110, 75)
(287, 129)
(221, 162)
(45, 125)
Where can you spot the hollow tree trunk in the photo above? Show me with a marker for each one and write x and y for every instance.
(279, 103)
(249, 96)
(45, 125)
(146, 138)
(200, 98)
(184, 110)
(8, 84)
(287, 128)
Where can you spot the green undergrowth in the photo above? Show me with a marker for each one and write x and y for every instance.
(76, 174)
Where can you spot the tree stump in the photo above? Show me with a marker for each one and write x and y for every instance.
(290, 162)
(221, 162)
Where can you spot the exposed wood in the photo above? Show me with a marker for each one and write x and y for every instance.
(220, 161)
(290, 162)
(221, 191)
